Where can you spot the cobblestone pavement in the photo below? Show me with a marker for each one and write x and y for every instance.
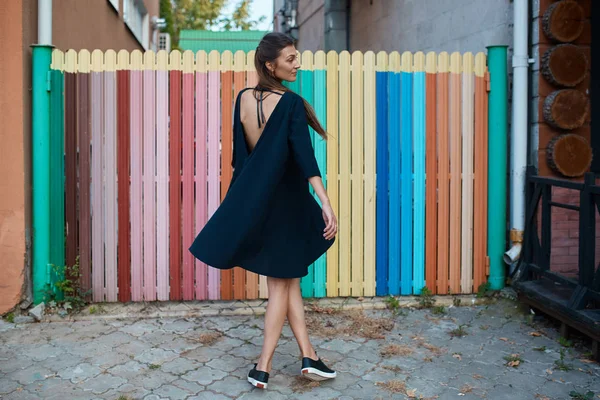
(464, 353)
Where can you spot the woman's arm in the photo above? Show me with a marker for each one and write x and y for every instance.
(328, 214)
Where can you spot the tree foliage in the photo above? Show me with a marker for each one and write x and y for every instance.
(205, 15)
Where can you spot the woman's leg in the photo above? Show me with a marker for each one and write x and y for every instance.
(295, 315)
(274, 318)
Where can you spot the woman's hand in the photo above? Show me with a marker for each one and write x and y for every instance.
(330, 221)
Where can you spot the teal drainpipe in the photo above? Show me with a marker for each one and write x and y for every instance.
(40, 158)
(497, 156)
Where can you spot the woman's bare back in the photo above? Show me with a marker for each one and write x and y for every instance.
(249, 116)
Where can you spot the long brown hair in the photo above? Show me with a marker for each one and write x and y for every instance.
(268, 50)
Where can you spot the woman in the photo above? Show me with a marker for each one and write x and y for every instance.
(268, 222)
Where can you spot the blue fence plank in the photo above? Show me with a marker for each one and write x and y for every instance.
(419, 188)
(406, 210)
(382, 225)
(394, 182)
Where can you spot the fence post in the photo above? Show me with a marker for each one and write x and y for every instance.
(497, 132)
(41, 59)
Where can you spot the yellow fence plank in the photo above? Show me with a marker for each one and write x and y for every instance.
(370, 154)
(332, 167)
(356, 170)
(345, 180)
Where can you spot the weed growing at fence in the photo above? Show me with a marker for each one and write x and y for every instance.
(68, 282)
(484, 290)
(392, 303)
(564, 342)
(426, 299)
(561, 364)
(10, 317)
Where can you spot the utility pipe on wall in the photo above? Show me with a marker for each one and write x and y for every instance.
(520, 130)
(40, 158)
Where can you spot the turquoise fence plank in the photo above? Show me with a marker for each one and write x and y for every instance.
(304, 84)
(320, 104)
(381, 253)
(406, 210)
(57, 179)
(394, 182)
(419, 168)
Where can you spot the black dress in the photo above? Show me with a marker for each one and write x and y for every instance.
(268, 222)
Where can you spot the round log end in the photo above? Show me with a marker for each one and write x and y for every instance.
(563, 21)
(566, 109)
(564, 65)
(570, 155)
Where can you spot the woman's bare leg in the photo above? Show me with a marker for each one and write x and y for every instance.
(295, 316)
(274, 318)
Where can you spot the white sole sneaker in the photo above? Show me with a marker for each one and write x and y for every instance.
(258, 384)
(315, 375)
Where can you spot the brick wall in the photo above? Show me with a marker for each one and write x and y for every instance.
(565, 234)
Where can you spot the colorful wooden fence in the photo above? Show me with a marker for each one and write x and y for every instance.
(147, 160)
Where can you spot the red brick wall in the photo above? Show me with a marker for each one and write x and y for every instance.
(565, 234)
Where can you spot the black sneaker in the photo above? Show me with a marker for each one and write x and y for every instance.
(257, 378)
(316, 370)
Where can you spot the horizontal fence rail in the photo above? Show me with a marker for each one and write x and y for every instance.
(146, 140)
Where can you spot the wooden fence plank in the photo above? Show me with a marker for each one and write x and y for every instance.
(468, 112)
(382, 240)
(455, 171)
(175, 176)
(149, 126)
(370, 163)
(124, 234)
(320, 104)
(431, 174)
(394, 173)
(201, 165)
(97, 190)
(344, 217)
(162, 177)
(332, 167)
(406, 174)
(419, 232)
(72, 233)
(357, 172)
(83, 125)
(443, 239)
(214, 119)
(188, 175)
(57, 171)
(136, 152)
(256, 285)
(110, 162)
(306, 87)
(480, 187)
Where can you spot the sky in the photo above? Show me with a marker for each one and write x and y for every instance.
(258, 9)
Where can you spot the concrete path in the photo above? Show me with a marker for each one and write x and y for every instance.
(494, 351)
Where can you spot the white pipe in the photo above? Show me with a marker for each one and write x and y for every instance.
(520, 129)
(45, 22)
(513, 254)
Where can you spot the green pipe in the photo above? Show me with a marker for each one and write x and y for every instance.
(40, 158)
(497, 156)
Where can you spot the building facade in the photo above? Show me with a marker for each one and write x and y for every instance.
(76, 24)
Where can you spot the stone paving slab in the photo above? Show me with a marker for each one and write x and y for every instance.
(173, 352)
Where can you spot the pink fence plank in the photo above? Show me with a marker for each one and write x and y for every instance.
(149, 166)
(110, 199)
(162, 184)
(136, 185)
(188, 184)
(97, 99)
(201, 176)
(214, 118)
